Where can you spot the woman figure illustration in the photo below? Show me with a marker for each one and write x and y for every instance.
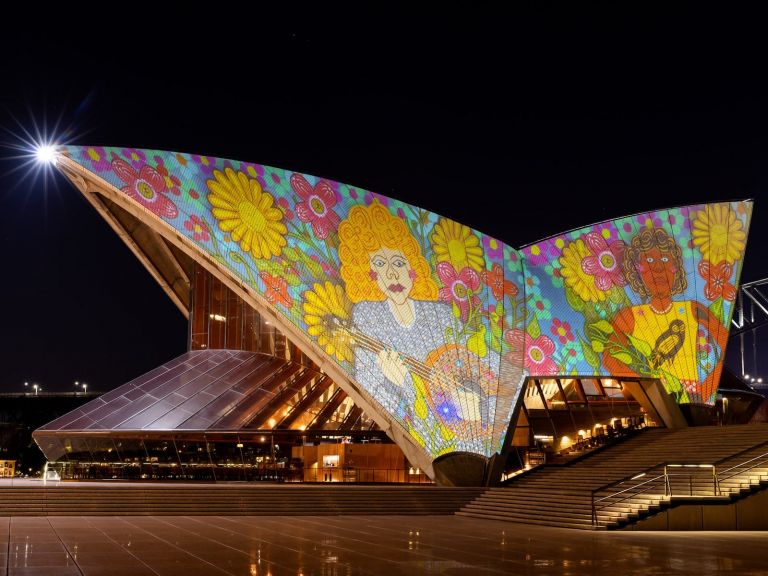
(398, 322)
(653, 267)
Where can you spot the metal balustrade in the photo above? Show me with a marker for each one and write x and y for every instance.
(660, 484)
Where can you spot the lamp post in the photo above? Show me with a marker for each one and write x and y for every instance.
(36, 388)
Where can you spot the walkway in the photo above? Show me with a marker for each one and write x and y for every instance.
(351, 545)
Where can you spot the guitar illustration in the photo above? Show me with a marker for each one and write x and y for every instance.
(451, 373)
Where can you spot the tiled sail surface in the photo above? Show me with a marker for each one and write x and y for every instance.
(360, 275)
(363, 275)
(649, 295)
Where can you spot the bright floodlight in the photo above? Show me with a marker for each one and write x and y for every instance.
(46, 154)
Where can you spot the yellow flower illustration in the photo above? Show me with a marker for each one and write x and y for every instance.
(455, 243)
(718, 233)
(573, 272)
(326, 310)
(247, 212)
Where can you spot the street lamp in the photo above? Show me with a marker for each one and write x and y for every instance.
(36, 388)
(85, 388)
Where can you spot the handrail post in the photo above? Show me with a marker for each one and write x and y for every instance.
(594, 511)
(715, 486)
(667, 487)
(690, 484)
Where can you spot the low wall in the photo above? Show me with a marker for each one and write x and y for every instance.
(745, 514)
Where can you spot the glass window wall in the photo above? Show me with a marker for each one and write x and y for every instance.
(558, 416)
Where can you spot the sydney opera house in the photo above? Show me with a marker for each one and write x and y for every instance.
(336, 334)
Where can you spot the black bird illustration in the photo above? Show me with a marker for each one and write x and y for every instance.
(668, 344)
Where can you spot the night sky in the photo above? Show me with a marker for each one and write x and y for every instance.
(520, 124)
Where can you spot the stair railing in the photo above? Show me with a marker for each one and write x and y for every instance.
(667, 472)
(742, 467)
(689, 472)
(666, 475)
(652, 481)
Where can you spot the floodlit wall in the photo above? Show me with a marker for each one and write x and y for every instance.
(437, 322)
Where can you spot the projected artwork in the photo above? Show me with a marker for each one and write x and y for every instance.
(437, 322)
(647, 295)
(413, 306)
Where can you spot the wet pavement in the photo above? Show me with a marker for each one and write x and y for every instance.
(349, 545)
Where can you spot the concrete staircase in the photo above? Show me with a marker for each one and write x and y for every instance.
(82, 499)
(562, 495)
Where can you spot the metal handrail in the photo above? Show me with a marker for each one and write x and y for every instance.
(717, 478)
(635, 490)
(762, 457)
(629, 477)
(595, 506)
(637, 476)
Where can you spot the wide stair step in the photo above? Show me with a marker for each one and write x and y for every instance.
(221, 500)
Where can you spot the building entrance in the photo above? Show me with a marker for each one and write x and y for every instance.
(558, 416)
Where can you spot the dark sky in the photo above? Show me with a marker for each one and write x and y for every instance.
(571, 114)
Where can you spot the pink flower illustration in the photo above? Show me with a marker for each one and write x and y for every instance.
(198, 228)
(562, 330)
(607, 230)
(541, 252)
(537, 356)
(147, 187)
(604, 262)
(494, 249)
(206, 163)
(371, 196)
(459, 288)
(649, 220)
(98, 158)
(254, 171)
(701, 342)
(317, 205)
(135, 157)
